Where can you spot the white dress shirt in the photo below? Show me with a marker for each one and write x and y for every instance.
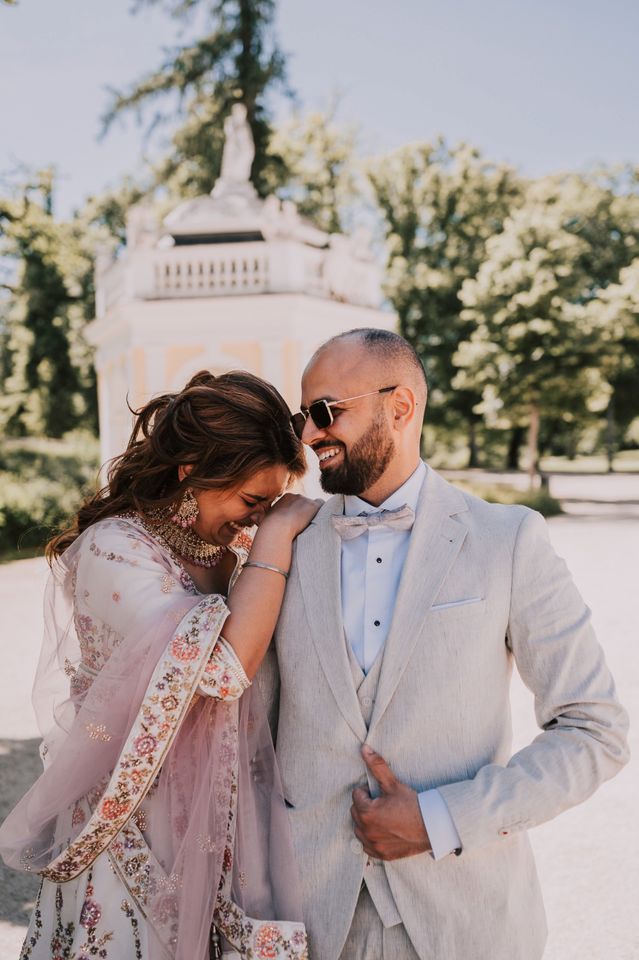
(371, 569)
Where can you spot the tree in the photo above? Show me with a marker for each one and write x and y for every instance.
(536, 347)
(616, 311)
(611, 225)
(236, 59)
(440, 206)
(321, 172)
(103, 215)
(47, 373)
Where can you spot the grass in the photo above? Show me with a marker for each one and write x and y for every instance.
(626, 461)
(539, 500)
(42, 483)
(24, 553)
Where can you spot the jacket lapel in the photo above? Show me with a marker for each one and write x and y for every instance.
(318, 558)
(436, 539)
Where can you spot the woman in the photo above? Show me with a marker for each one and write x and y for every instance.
(159, 815)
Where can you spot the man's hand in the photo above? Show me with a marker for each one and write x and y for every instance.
(390, 826)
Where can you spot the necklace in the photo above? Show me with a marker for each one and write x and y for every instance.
(183, 541)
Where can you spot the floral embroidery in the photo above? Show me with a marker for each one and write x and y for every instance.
(91, 913)
(170, 884)
(133, 866)
(131, 857)
(137, 777)
(283, 940)
(90, 916)
(113, 809)
(109, 555)
(155, 893)
(96, 643)
(193, 660)
(261, 940)
(224, 677)
(148, 740)
(266, 941)
(27, 855)
(141, 819)
(93, 796)
(205, 843)
(62, 938)
(145, 744)
(31, 941)
(187, 583)
(80, 684)
(127, 909)
(152, 890)
(168, 582)
(164, 729)
(243, 541)
(184, 647)
(97, 731)
(115, 596)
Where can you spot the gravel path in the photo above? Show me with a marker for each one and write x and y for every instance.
(588, 858)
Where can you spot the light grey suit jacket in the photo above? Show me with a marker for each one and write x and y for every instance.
(442, 719)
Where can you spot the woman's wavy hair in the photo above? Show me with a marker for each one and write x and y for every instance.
(225, 428)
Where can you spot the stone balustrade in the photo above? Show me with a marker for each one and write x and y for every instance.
(226, 269)
(204, 270)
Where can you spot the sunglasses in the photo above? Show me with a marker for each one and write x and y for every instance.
(321, 414)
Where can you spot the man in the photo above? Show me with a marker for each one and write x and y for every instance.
(394, 649)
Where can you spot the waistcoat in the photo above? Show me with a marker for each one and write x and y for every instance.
(374, 875)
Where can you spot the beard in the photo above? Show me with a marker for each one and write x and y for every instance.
(364, 464)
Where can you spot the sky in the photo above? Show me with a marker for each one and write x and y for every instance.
(546, 85)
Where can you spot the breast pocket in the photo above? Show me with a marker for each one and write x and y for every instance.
(458, 633)
(452, 610)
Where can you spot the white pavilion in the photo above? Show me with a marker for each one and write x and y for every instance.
(227, 281)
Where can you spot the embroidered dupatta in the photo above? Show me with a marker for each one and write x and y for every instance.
(150, 761)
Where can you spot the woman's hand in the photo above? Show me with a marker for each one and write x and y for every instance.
(291, 514)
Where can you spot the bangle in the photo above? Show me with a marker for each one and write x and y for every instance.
(266, 566)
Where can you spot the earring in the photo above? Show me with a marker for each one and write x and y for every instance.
(188, 511)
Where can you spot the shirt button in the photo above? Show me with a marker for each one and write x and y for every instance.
(367, 701)
(356, 846)
(376, 623)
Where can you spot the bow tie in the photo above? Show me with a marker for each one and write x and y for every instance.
(351, 527)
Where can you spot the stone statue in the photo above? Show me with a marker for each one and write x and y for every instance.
(239, 148)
